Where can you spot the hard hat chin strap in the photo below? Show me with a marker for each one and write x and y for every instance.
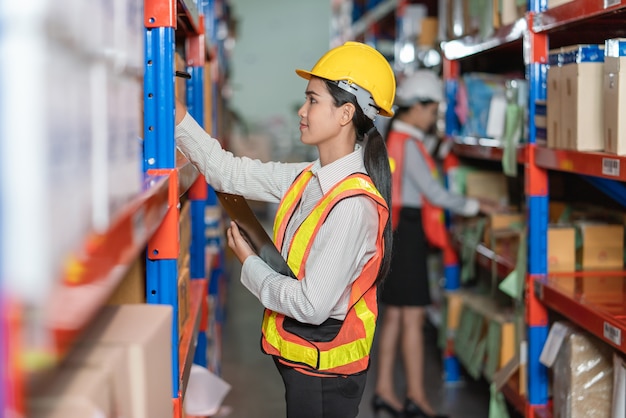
(363, 98)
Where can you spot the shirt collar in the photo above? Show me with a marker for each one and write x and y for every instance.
(331, 174)
(407, 128)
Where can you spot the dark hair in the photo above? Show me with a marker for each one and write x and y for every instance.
(376, 162)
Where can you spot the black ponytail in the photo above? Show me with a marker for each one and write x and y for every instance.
(376, 163)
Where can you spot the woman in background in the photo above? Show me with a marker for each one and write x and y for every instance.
(405, 293)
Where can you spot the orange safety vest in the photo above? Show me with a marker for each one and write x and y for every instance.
(433, 218)
(348, 351)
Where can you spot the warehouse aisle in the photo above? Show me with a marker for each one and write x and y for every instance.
(257, 390)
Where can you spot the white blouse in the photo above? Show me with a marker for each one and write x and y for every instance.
(342, 246)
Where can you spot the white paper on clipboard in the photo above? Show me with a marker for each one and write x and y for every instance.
(240, 212)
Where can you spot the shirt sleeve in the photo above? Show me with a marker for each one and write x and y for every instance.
(418, 172)
(225, 172)
(342, 247)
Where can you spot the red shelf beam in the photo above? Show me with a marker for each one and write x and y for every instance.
(189, 333)
(486, 152)
(188, 12)
(574, 12)
(602, 314)
(597, 164)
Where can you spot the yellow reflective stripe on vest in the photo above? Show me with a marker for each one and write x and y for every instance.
(306, 230)
(289, 199)
(355, 350)
(287, 349)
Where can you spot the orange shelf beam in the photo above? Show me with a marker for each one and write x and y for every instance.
(596, 164)
(197, 291)
(484, 152)
(589, 303)
(573, 12)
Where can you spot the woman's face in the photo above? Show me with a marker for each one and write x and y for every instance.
(319, 117)
(425, 115)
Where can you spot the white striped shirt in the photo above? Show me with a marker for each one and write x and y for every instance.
(342, 246)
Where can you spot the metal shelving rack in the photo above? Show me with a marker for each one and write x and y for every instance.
(147, 225)
(162, 18)
(603, 318)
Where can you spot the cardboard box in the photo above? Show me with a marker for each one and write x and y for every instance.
(144, 332)
(74, 393)
(489, 185)
(132, 288)
(184, 225)
(562, 255)
(502, 234)
(582, 102)
(602, 246)
(184, 286)
(553, 99)
(614, 85)
(112, 362)
(582, 377)
(561, 249)
(454, 305)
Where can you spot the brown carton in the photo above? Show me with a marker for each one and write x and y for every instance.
(144, 332)
(582, 103)
(602, 246)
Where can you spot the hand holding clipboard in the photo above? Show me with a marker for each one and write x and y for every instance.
(253, 232)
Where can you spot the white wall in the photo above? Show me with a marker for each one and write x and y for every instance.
(274, 38)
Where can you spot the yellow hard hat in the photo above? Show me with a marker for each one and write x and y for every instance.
(360, 64)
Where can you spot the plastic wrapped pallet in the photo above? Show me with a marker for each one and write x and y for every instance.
(583, 376)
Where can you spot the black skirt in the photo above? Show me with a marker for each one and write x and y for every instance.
(407, 282)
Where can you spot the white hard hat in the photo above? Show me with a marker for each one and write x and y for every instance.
(420, 86)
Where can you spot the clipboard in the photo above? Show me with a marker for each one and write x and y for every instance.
(240, 212)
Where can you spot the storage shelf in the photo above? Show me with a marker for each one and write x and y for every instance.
(601, 311)
(189, 17)
(596, 164)
(484, 149)
(574, 12)
(93, 275)
(469, 46)
(186, 349)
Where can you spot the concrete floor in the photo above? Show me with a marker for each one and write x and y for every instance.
(257, 389)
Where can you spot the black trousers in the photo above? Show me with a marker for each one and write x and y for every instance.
(321, 397)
